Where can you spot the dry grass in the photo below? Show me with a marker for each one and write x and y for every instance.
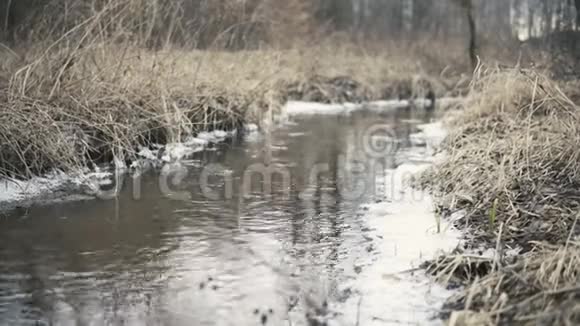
(539, 288)
(516, 145)
(513, 167)
(95, 100)
(108, 77)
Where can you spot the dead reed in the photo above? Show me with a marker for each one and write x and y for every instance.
(85, 100)
(512, 166)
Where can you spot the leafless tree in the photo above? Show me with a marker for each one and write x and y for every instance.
(235, 23)
(467, 7)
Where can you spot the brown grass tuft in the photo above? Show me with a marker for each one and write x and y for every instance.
(102, 79)
(95, 100)
(512, 166)
(517, 145)
(539, 288)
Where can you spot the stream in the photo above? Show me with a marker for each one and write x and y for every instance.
(311, 223)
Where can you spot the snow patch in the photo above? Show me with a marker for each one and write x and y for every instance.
(13, 190)
(431, 135)
(173, 152)
(434, 133)
(148, 154)
(298, 108)
(382, 106)
(251, 127)
(17, 190)
(295, 108)
(407, 233)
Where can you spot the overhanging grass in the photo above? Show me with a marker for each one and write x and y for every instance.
(67, 106)
(514, 151)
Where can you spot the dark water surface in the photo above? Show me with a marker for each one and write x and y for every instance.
(173, 256)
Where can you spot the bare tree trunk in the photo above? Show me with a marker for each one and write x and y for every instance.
(548, 17)
(7, 16)
(472, 36)
(467, 7)
(559, 13)
(531, 20)
(577, 5)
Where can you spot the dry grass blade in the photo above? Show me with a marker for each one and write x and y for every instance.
(100, 90)
(515, 152)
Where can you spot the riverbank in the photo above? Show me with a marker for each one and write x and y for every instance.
(88, 183)
(510, 180)
(79, 108)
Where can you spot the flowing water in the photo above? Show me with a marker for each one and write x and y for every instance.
(305, 225)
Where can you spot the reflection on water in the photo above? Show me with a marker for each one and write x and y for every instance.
(228, 258)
